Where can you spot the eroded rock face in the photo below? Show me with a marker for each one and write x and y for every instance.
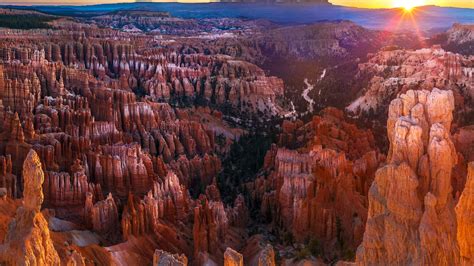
(318, 180)
(77, 103)
(7, 179)
(397, 71)
(209, 228)
(28, 240)
(460, 34)
(167, 201)
(63, 190)
(465, 219)
(97, 113)
(33, 182)
(267, 256)
(411, 218)
(233, 258)
(163, 258)
(104, 216)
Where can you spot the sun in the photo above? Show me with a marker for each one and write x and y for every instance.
(408, 5)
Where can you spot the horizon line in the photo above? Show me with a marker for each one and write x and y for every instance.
(13, 4)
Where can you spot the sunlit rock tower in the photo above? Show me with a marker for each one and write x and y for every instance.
(411, 217)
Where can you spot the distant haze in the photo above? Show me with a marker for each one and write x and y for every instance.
(390, 3)
(354, 3)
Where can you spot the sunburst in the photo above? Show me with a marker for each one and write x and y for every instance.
(407, 5)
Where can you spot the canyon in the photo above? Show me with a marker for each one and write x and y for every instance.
(140, 138)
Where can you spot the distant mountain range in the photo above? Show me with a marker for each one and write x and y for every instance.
(424, 18)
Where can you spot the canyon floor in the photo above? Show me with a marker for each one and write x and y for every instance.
(136, 137)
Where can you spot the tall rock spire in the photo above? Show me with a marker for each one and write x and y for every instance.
(28, 241)
(411, 218)
(33, 177)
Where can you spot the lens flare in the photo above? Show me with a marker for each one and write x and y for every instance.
(408, 5)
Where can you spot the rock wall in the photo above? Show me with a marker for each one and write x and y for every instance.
(465, 219)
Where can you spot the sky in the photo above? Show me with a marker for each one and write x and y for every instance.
(354, 3)
(394, 3)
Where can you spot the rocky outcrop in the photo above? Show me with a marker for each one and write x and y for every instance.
(13, 142)
(395, 71)
(102, 216)
(238, 215)
(459, 39)
(320, 185)
(7, 179)
(166, 76)
(28, 240)
(209, 229)
(267, 256)
(233, 258)
(166, 201)
(460, 33)
(465, 219)
(133, 219)
(163, 258)
(120, 168)
(411, 218)
(61, 189)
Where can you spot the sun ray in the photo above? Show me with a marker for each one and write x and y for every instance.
(407, 5)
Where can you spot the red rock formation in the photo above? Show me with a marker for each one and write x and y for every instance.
(322, 186)
(238, 215)
(92, 103)
(120, 168)
(134, 219)
(167, 201)
(460, 34)
(89, 204)
(233, 258)
(210, 227)
(411, 216)
(267, 257)
(28, 239)
(423, 69)
(200, 170)
(465, 219)
(21, 90)
(61, 189)
(7, 179)
(166, 259)
(13, 142)
(103, 215)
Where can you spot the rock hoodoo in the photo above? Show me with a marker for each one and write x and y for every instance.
(411, 217)
(28, 240)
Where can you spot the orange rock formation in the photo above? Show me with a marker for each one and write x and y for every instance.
(28, 240)
(412, 218)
